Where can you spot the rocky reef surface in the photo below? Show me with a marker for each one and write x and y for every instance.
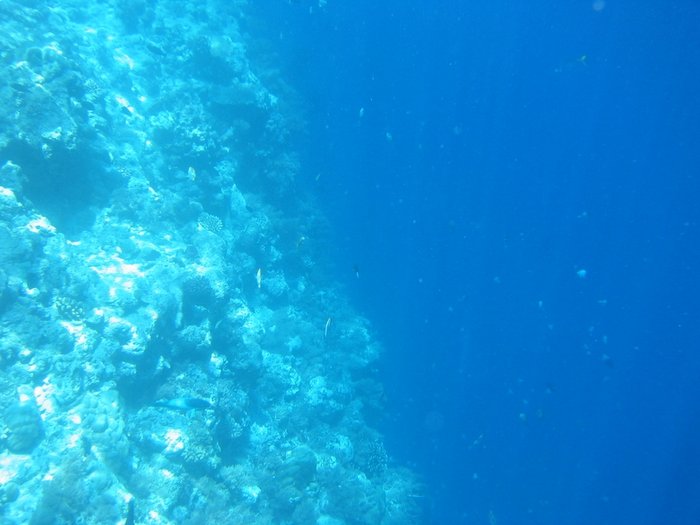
(170, 348)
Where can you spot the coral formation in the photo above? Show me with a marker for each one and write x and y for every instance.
(165, 327)
(24, 428)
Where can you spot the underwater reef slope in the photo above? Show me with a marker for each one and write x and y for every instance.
(170, 349)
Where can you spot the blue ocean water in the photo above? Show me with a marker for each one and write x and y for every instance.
(349, 263)
(514, 190)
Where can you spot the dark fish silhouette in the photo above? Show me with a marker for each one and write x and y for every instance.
(130, 520)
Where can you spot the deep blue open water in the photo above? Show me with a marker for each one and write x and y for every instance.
(210, 212)
(514, 190)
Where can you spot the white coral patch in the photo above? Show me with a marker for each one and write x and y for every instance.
(128, 285)
(54, 134)
(116, 273)
(118, 267)
(254, 325)
(241, 312)
(53, 46)
(125, 104)
(7, 194)
(259, 434)
(43, 395)
(77, 330)
(11, 465)
(124, 59)
(250, 493)
(175, 440)
(40, 224)
(74, 440)
(217, 363)
(318, 393)
(32, 292)
(294, 343)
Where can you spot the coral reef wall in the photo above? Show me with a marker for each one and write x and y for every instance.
(170, 349)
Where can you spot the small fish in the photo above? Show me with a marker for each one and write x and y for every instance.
(130, 520)
(155, 48)
(608, 361)
(184, 403)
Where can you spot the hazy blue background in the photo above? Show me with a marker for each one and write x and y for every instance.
(504, 147)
